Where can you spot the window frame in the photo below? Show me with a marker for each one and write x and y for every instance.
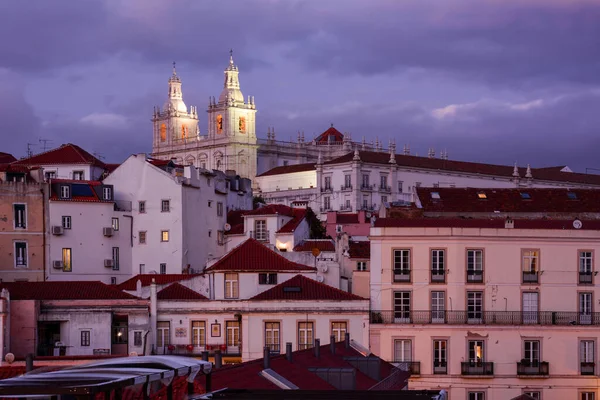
(162, 236)
(81, 174)
(404, 261)
(475, 271)
(67, 267)
(340, 332)
(115, 258)
(361, 266)
(441, 361)
(264, 233)
(402, 306)
(107, 193)
(585, 256)
(201, 329)
(478, 298)
(142, 206)
(306, 327)
(25, 256)
(17, 207)
(437, 264)
(267, 278)
(115, 223)
(534, 268)
(66, 221)
(583, 358)
(219, 208)
(138, 340)
(272, 327)
(142, 237)
(65, 191)
(85, 341)
(161, 265)
(234, 285)
(165, 205)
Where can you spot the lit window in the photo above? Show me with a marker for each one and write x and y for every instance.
(164, 236)
(525, 196)
(115, 224)
(482, 195)
(67, 260)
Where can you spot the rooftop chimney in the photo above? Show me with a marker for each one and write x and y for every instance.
(317, 347)
(267, 357)
(205, 356)
(332, 344)
(218, 359)
(347, 340)
(288, 351)
(509, 223)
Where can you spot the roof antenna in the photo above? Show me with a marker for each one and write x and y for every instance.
(29, 151)
(174, 70)
(45, 142)
(98, 155)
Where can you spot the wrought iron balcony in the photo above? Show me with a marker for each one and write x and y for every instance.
(346, 188)
(326, 189)
(440, 367)
(414, 367)
(530, 277)
(585, 278)
(402, 275)
(477, 368)
(588, 368)
(346, 207)
(536, 368)
(474, 276)
(385, 189)
(325, 208)
(506, 318)
(438, 275)
(367, 187)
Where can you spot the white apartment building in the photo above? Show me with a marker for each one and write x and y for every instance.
(90, 234)
(179, 214)
(488, 308)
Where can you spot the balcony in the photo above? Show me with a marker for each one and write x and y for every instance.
(585, 278)
(368, 207)
(504, 318)
(366, 187)
(402, 275)
(346, 188)
(385, 189)
(440, 367)
(588, 368)
(530, 277)
(474, 276)
(438, 276)
(325, 208)
(477, 368)
(261, 236)
(346, 207)
(533, 368)
(327, 189)
(414, 367)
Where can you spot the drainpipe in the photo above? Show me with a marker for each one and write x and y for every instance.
(45, 227)
(153, 311)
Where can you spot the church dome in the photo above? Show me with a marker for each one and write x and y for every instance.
(176, 104)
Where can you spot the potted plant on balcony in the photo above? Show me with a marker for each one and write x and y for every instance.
(190, 348)
(376, 318)
(170, 348)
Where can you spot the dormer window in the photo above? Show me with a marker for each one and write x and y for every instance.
(78, 175)
(435, 195)
(107, 193)
(65, 192)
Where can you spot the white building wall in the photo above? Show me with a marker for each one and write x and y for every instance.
(89, 247)
(248, 283)
(65, 171)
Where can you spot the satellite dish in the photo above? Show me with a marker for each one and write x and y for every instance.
(368, 215)
(577, 224)
(316, 252)
(320, 278)
(227, 227)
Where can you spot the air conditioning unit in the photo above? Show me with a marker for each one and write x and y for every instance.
(108, 231)
(58, 230)
(109, 263)
(57, 264)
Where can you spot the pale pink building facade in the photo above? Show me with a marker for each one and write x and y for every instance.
(488, 309)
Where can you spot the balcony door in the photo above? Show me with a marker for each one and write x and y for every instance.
(530, 307)
(476, 354)
(232, 330)
(402, 307)
(585, 308)
(403, 353)
(438, 307)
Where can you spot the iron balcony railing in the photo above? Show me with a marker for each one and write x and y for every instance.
(477, 368)
(440, 367)
(588, 368)
(585, 278)
(525, 367)
(402, 275)
(414, 367)
(438, 275)
(563, 318)
(385, 189)
(326, 189)
(530, 277)
(346, 207)
(197, 349)
(474, 276)
(367, 187)
(346, 188)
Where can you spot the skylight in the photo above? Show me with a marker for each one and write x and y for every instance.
(482, 195)
(435, 195)
(525, 196)
(572, 195)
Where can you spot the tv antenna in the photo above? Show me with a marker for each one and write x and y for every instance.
(98, 156)
(45, 143)
(29, 149)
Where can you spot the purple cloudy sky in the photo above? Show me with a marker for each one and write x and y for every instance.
(488, 80)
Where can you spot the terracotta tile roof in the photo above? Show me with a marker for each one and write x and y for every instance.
(321, 244)
(81, 191)
(75, 290)
(11, 372)
(160, 279)
(292, 224)
(360, 249)
(177, 291)
(492, 223)
(438, 164)
(252, 255)
(65, 154)
(523, 200)
(235, 218)
(21, 169)
(523, 397)
(6, 158)
(303, 288)
(331, 132)
(289, 169)
(342, 218)
(272, 209)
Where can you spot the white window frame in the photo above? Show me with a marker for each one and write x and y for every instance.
(115, 223)
(66, 222)
(273, 336)
(78, 175)
(232, 285)
(339, 329)
(260, 230)
(219, 209)
(361, 266)
(474, 306)
(163, 268)
(142, 237)
(165, 206)
(142, 206)
(20, 216)
(162, 236)
(199, 333)
(107, 193)
(65, 191)
(402, 306)
(306, 335)
(21, 254)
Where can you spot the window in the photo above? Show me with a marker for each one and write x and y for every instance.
(164, 236)
(402, 351)
(65, 192)
(347, 182)
(107, 193)
(530, 307)
(474, 266)
(115, 257)
(198, 333)
(474, 307)
(572, 195)
(142, 207)
(78, 175)
(210, 202)
(482, 195)
(163, 334)
(272, 340)
(531, 260)
(142, 268)
(137, 338)
(232, 332)
(438, 307)
(383, 182)
(476, 354)
(402, 265)
(219, 209)
(113, 280)
(585, 267)
(531, 353)
(260, 230)
(326, 203)
(402, 307)
(327, 183)
(210, 233)
(85, 338)
(142, 237)
(338, 330)
(435, 195)
(365, 181)
(476, 395)
(438, 266)
(163, 268)
(585, 308)
(400, 186)
(220, 238)
(361, 265)
(305, 335)
(66, 222)
(115, 224)
(119, 331)
(267, 279)
(587, 357)
(588, 396)
(67, 260)
(525, 196)
(165, 206)
(20, 216)
(365, 203)
(20, 254)
(50, 175)
(440, 355)
(383, 199)
(231, 286)
(534, 395)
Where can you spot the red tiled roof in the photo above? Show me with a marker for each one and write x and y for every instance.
(509, 200)
(309, 289)
(491, 223)
(272, 209)
(292, 224)
(251, 255)
(342, 218)
(309, 245)
(65, 154)
(289, 169)
(110, 167)
(324, 137)
(160, 279)
(11, 372)
(177, 291)
(235, 218)
(360, 249)
(6, 158)
(523, 397)
(22, 169)
(547, 174)
(76, 290)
